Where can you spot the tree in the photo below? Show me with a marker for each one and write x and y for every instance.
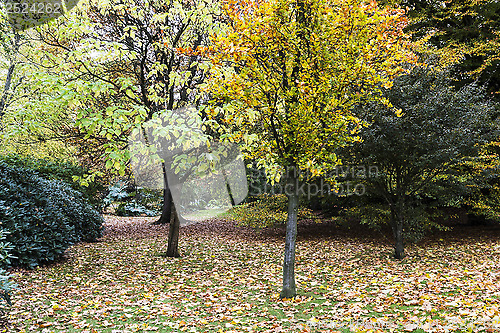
(11, 49)
(482, 180)
(434, 129)
(288, 72)
(467, 33)
(126, 61)
(32, 105)
(463, 32)
(11, 42)
(196, 167)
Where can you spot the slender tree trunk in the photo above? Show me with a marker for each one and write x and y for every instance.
(289, 289)
(397, 230)
(173, 235)
(233, 203)
(4, 99)
(6, 90)
(398, 215)
(399, 251)
(166, 211)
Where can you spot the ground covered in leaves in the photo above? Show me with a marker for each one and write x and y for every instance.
(228, 280)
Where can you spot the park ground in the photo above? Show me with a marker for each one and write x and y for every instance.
(228, 280)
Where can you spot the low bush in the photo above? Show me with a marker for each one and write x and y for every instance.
(94, 193)
(134, 208)
(265, 210)
(43, 217)
(6, 285)
(128, 200)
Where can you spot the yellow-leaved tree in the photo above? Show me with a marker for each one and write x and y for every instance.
(285, 76)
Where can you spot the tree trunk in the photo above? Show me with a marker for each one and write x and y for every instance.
(4, 99)
(397, 230)
(6, 90)
(166, 211)
(228, 188)
(399, 251)
(173, 235)
(289, 289)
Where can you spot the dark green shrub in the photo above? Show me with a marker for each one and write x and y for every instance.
(134, 208)
(6, 285)
(43, 217)
(430, 127)
(94, 193)
(129, 200)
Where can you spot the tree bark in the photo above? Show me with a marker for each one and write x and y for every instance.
(399, 251)
(4, 99)
(397, 230)
(228, 188)
(289, 290)
(6, 90)
(166, 211)
(173, 235)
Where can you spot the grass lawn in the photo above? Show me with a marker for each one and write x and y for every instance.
(228, 280)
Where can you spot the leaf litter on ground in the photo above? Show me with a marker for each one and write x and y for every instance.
(228, 280)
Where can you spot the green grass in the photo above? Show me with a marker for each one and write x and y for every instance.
(228, 280)
(201, 215)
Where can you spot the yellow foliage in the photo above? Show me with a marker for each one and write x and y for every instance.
(290, 71)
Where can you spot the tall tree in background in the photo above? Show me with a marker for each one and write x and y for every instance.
(32, 112)
(288, 73)
(10, 44)
(463, 32)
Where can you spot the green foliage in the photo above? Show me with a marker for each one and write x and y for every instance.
(433, 127)
(132, 201)
(256, 179)
(6, 285)
(266, 211)
(113, 92)
(414, 145)
(64, 171)
(133, 208)
(482, 180)
(117, 192)
(43, 217)
(462, 32)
